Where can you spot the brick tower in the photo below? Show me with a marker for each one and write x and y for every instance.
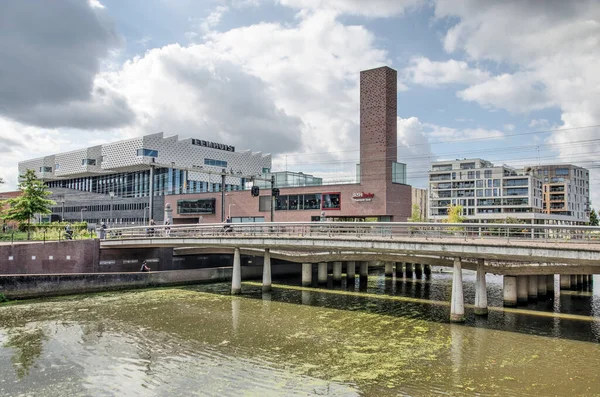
(378, 125)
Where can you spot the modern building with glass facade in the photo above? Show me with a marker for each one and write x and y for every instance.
(495, 193)
(112, 182)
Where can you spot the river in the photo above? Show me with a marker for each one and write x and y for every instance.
(381, 338)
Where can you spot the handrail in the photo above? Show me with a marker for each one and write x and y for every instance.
(546, 233)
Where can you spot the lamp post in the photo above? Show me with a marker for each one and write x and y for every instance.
(229, 216)
(112, 195)
(83, 209)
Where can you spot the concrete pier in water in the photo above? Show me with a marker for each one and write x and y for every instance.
(481, 290)
(337, 272)
(541, 286)
(522, 288)
(565, 282)
(532, 288)
(351, 269)
(399, 270)
(510, 290)
(389, 269)
(409, 270)
(457, 304)
(236, 278)
(266, 285)
(364, 269)
(306, 274)
(418, 270)
(322, 273)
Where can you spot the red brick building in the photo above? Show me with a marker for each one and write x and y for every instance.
(380, 194)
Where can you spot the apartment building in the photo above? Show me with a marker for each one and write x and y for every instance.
(541, 194)
(566, 190)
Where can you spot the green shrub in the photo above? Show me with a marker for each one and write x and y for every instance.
(3, 298)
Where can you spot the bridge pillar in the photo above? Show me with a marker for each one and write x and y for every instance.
(550, 285)
(522, 289)
(542, 285)
(322, 273)
(481, 290)
(565, 282)
(418, 270)
(585, 281)
(266, 285)
(409, 270)
(337, 272)
(389, 269)
(457, 305)
(364, 269)
(399, 270)
(532, 288)
(510, 288)
(427, 271)
(236, 277)
(573, 281)
(306, 274)
(579, 281)
(351, 269)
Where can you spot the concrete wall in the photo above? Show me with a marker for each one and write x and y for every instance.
(50, 257)
(41, 285)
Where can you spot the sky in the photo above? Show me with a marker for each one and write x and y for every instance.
(514, 82)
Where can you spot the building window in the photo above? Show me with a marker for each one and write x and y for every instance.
(45, 169)
(147, 153)
(312, 201)
(88, 162)
(487, 174)
(331, 201)
(562, 171)
(56, 166)
(266, 170)
(202, 206)
(215, 163)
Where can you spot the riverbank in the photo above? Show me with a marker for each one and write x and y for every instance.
(29, 286)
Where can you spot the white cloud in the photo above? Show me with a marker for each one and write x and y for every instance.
(371, 8)
(509, 127)
(96, 4)
(414, 150)
(554, 46)
(430, 73)
(539, 123)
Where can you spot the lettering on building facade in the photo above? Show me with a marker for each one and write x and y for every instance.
(362, 196)
(213, 145)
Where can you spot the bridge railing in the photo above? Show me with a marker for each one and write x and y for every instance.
(465, 231)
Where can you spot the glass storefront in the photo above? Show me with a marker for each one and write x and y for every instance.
(200, 206)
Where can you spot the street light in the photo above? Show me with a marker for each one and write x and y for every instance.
(112, 195)
(145, 208)
(83, 209)
(230, 210)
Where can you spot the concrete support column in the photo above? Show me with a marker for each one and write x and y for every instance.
(418, 270)
(266, 286)
(550, 285)
(579, 280)
(364, 269)
(573, 281)
(409, 269)
(399, 270)
(565, 282)
(585, 280)
(427, 271)
(481, 290)
(457, 305)
(351, 269)
(522, 289)
(389, 269)
(511, 290)
(337, 272)
(542, 285)
(236, 279)
(306, 274)
(532, 288)
(322, 273)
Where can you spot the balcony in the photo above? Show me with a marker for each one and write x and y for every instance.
(557, 197)
(435, 178)
(555, 189)
(442, 168)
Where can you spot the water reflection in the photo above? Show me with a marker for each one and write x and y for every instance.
(388, 337)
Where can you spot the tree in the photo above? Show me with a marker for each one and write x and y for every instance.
(455, 214)
(594, 221)
(31, 201)
(416, 214)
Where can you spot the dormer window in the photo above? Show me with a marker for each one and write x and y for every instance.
(88, 162)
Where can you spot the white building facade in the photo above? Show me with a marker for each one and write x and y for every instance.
(123, 168)
(489, 193)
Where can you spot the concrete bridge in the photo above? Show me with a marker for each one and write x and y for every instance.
(529, 256)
